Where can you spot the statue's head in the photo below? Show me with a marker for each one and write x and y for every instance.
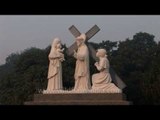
(56, 43)
(81, 39)
(101, 53)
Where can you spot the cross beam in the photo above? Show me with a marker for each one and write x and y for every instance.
(75, 32)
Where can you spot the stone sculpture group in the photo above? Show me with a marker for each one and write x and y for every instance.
(101, 82)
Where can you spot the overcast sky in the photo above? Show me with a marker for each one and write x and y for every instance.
(18, 32)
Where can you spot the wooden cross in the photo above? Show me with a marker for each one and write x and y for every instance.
(75, 32)
(89, 34)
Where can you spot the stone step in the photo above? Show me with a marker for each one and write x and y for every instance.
(80, 102)
(80, 96)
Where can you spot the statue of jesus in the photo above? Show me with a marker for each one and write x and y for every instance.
(82, 74)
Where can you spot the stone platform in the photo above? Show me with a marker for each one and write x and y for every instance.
(80, 99)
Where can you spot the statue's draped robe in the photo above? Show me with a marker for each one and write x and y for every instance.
(82, 74)
(54, 71)
(102, 80)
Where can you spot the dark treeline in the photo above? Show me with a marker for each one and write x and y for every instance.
(136, 61)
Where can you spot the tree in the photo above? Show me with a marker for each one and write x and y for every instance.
(28, 76)
(131, 60)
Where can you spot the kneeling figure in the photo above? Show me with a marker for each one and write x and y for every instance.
(102, 81)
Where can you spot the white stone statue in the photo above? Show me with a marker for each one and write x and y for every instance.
(102, 81)
(82, 74)
(55, 67)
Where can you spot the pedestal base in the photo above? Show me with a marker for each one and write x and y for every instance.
(80, 99)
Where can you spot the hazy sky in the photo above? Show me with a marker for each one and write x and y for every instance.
(18, 32)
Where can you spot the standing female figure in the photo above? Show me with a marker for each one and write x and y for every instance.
(55, 66)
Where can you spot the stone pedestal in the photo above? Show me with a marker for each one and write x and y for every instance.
(80, 99)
